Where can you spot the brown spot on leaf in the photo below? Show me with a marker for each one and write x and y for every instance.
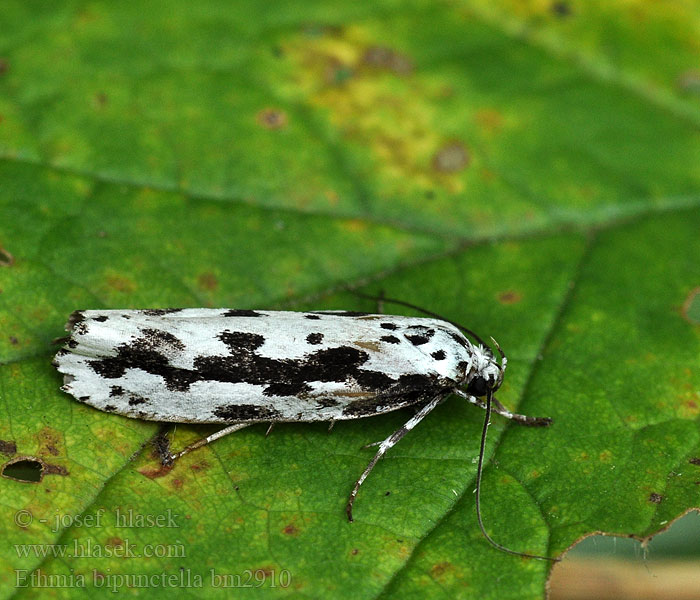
(317, 30)
(49, 441)
(655, 498)
(101, 99)
(336, 72)
(4, 66)
(208, 281)
(509, 297)
(452, 157)
(6, 259)
(605, 456)
(264, 571)
(439, 569)
(177, 484)
(121, 283)
(152, 473)
(13, 340)
(355, 225)
(689, 82)
(8, 447)
(291, 529)
(561, 9)
(691, 307)
(55, 470)
(201, 466)
(115, 542)
(489, 119)
(381, 57)
(272, 118)
(694, 461)
(354, 551)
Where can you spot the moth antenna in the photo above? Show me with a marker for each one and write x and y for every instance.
(498, 347)
(419, 309)
(479, 469)
(504, 360)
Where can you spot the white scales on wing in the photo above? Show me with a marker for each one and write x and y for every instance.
(199, 365)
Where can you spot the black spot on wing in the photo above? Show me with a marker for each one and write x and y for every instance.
(312, 317)
(416, 386)
(145, 354)
(284, 377)
(390, 326)
(238, 341)
(100, 319)
(438, 355)
(282, 388)
(373, 380)
(245, 412)
(242, 312)
(364, 407)
(75, 317)
(116, 390)
(72, 344)
(421, 336)
(390, 339)
(314, 338)
(110, 408)
(162, 340)
(408, 389)
(460, 339)
(327, 402)
(159, 312)
(135, 400)
(80, 328)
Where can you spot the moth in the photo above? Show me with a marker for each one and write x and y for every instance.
(237, 367)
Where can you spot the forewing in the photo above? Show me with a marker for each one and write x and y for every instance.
(222, 365)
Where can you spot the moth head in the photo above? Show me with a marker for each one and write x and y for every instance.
(487, 371)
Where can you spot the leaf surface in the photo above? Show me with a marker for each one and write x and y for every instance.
(516, 169)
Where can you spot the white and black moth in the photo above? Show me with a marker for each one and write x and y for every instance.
(237, 367)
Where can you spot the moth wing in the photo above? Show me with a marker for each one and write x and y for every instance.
(221, 365)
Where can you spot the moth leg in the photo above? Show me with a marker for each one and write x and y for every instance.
(330, 425)
(372, 445)
(161, 444)
(207, 440)
(388, 443)
(269, 429)
(502, 410)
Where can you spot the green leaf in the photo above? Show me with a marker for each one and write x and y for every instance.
(531, 173)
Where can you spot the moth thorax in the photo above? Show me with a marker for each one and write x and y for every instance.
(486, 373)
